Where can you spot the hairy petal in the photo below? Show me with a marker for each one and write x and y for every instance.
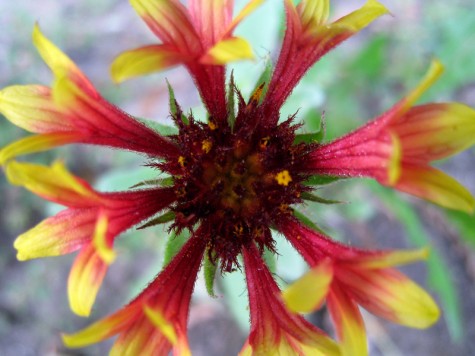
(53, 183)
(35, 143)
(307, 38)
(31, 107)
(63, 233)
(246, 11)
(145, 60)
(274, 329)
(348, 322)
(85, 279)
(154, 322)
(435, 186)
(435, 131)
(308, 292)
(169, 20)
(391, 295)
(211, 18)
(228, 50)
(60, 64)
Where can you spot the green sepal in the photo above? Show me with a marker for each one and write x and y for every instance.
(312, 137)
(162, 129)
(209, 271)
(315, 198)
(174, 108)
(162, 182)
(307, 222)
(321, 180)
(264, 80)
(270, 260)
(162, 219)
(174, 244)
(231, 101)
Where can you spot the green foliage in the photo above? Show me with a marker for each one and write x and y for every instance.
(209, 271)
(162, 219)
(465, 225)
(174, 244)
(231, 95)
(162, 129)
(321, 180)
(315, 198)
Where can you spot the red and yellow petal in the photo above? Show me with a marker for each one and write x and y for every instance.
(434, 131)
(211, 18)
(359, 19)
(228, 50)
(171, 331)
(385, 259)
(102, 245)
(53, 183)
(250, 7)
(63, 233)
(144, 60)
(105, 328)
(433, 73)
(308, 293)
(348, 322)
(36, 143)
(390, 295)
(31, 107)
(169, 20)
(313, 13)
(85, 279)
(435, 186)
(59, 63)
(275, 329)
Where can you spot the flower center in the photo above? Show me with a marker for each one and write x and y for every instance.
(236, 182)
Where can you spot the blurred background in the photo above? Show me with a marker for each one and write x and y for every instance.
(354, 83)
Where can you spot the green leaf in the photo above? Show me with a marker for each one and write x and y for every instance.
(312, 137)
(440, 278)
(264, 79)
(162, 129)
(209, 270)
(371, 61)
(174, 244)
(174, 108)
(317, 199)
(231, 102)
(307, 222)
(162, 182)
(270, 260)
(465, 224)
(321, 180)
(162, 219)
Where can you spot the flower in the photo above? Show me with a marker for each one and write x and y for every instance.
(348, 276)
(199, 37)
(90, 224)
(234, 179)
(397, 147)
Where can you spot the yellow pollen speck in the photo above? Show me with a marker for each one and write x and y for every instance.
(284, 208)
(238, 229)
(212, 125)
(181, 161)
(264, 142)
(256, 96)
(206, 146)
(283, 178)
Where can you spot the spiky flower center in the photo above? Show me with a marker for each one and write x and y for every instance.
(235, 182)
